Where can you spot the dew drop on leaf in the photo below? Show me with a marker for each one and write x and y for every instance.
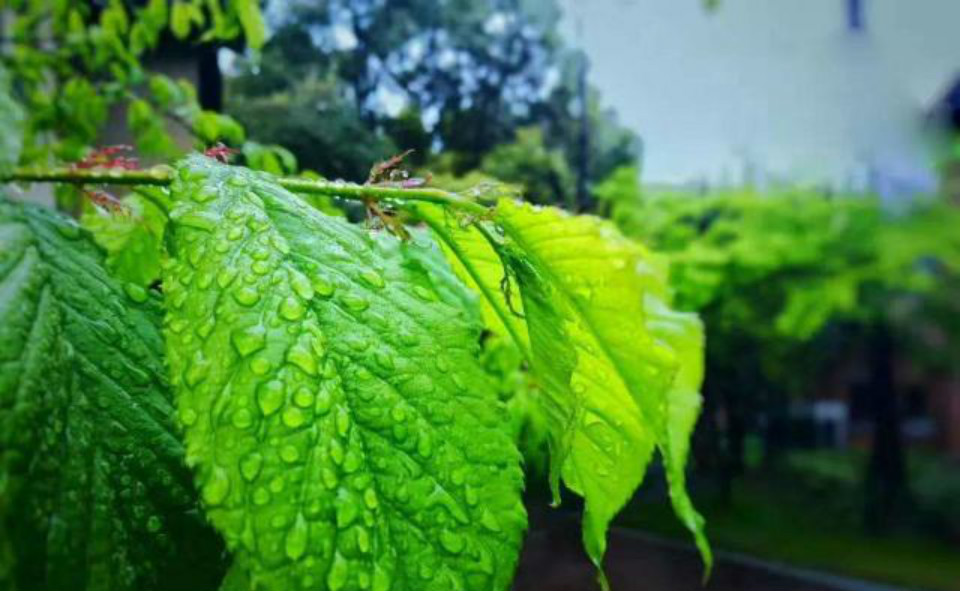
(289, 454)
(293, 417)
(246, 295)
(301, 285)
(242, 419)
(250, 467)
(135, 292)
(216, 489)
(323, 286)
(303, 397)
(260, 366)
(372, 278)
(249, 340)
(339, 571)
(226, 276)
(291, 308)
(296, 542)
(451, 542)
(270, 396)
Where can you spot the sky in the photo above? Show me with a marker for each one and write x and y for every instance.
(780, 90)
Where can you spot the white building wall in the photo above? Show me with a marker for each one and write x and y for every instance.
(770, 90)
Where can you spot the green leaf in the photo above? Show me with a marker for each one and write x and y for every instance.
(479, 266)
(251, 19)
(343, 431)
(180, 19)
(618, 369)
(91, 474)
(132, 237)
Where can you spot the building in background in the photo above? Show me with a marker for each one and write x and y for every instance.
(847, 94)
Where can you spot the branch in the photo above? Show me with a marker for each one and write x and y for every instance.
(162, 176)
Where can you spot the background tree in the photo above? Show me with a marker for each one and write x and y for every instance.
(464, 77)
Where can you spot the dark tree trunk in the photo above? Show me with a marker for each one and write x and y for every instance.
(886, 479)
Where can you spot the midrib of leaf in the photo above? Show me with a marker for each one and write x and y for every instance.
(505, 315)
(517, 237)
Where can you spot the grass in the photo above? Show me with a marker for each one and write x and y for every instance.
(778, 521)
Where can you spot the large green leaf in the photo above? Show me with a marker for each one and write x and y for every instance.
(620, 371)
(343, 431)
(92, 485)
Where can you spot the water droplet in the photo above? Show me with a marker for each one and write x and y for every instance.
(135, 292)
(296, 543)
(354, 302)
(302, 356)
(235, 233)
(188, 417)
(216, 489)
(424, 293)
(246, 295)
(442, 365)
(204, 195)
(347, 512)
(289, 454)
(324, 401)
(226, 276)
(242, 419)
(351, 462)
(195, 255)
(154, 524)
(385, 360)
(301, 285)
(260, 253)
(471, 495)
(249, 340)
(236, 180)
(250, 466)
(424, 445)
(270, 396)
(451, 542)
(381, 578)
(363, 540)
(343, 422)
(339, 571)
(291, 308)
(323, 286)
(69, 230)
(303, 397)
(372, 278)
(293, 417)
(198, 370)
(261, 496)
(261, 267)
(329, 477)
(260, 366)
(370, 499)
(489, 521)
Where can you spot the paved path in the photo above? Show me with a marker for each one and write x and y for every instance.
(553, 561)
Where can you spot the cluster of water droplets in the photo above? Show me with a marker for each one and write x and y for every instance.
(322, 449)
